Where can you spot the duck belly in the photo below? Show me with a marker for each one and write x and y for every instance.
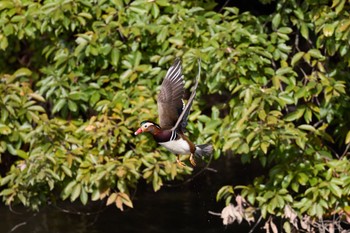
(180, 147)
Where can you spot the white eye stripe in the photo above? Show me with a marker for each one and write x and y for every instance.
(148, 124)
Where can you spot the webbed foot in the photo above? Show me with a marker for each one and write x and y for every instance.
(192, 160)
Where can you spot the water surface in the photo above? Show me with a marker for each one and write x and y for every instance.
(176, 209)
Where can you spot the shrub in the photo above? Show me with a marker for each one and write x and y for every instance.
(78, 76)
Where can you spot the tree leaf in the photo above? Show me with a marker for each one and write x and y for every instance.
(276, 20)
(59, 105)
(4, 129)
(316, 54)
(335, 189)
(111, 199)
(22, 154)
(68, 189)
(296, 58)
(297, 114)
(126, 200)
(72, 106)
(307, 127)
(115, 55)
(22, 72)
(37, 97)
(83, 196)
(75, 192)
(347, 138)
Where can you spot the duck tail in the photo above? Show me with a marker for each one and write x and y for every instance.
(204, 150)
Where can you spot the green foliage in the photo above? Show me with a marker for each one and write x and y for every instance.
(289, 112)
(77, 77)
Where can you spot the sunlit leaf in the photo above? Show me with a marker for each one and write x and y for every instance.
(347, 139)
(22, 72)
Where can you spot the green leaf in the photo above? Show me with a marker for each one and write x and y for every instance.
(176, 40)
(6, 179)
(115, 55)
(83, 196)
(287, 227)
(75, 192)
(37, 97)
(22, 72)
(335, 189)
(340, 6)
(6, 4)
(22, 154)
(75, 95)
(304, 30)
(307, 128)
(3, 42)
(95, 195)
(264, 146)
(224, 192)
(347, 138)
(285, 30)
(300, 141)
(299, 13)
(68, 189)
(126, 74)
(295, 187)
(36, 108)
(5, 130)
(295, 115)
(66, 170)
(72, 106)
(95, 98)
(296, 58)
(315, 53)
(276, 20)
(302, 178)
(155, 10)
(328, 29)
(59, 105)
(284, 70)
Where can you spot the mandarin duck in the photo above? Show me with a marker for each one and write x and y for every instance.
(173, 115)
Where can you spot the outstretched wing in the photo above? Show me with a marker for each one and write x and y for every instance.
(182, 120)
(169, 102)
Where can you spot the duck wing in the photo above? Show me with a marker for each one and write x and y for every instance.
(170, 102)
(182, 120)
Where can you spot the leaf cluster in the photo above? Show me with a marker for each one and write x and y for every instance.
(78, 76)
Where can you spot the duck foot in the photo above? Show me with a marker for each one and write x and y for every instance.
(192, 160)
(179, 162)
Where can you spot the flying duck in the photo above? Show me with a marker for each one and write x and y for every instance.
(173, 115)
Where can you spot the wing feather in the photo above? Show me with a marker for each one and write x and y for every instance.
(170, 97)
(181, 122)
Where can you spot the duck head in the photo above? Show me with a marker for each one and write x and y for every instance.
(147, 126)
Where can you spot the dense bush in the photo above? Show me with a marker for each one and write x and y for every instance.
(78, 76)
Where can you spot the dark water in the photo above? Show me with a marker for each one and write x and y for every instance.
(179, 209)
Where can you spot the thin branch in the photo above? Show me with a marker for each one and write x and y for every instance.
(22, 223)
(317, 123)
(336, 154)
(214, 213)
(17, 226)
(79, 212)
(206, 168)
(13, 211)
(223, 6)
(345, 151)
(305, 75)
(296, 44)
(255, 225)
